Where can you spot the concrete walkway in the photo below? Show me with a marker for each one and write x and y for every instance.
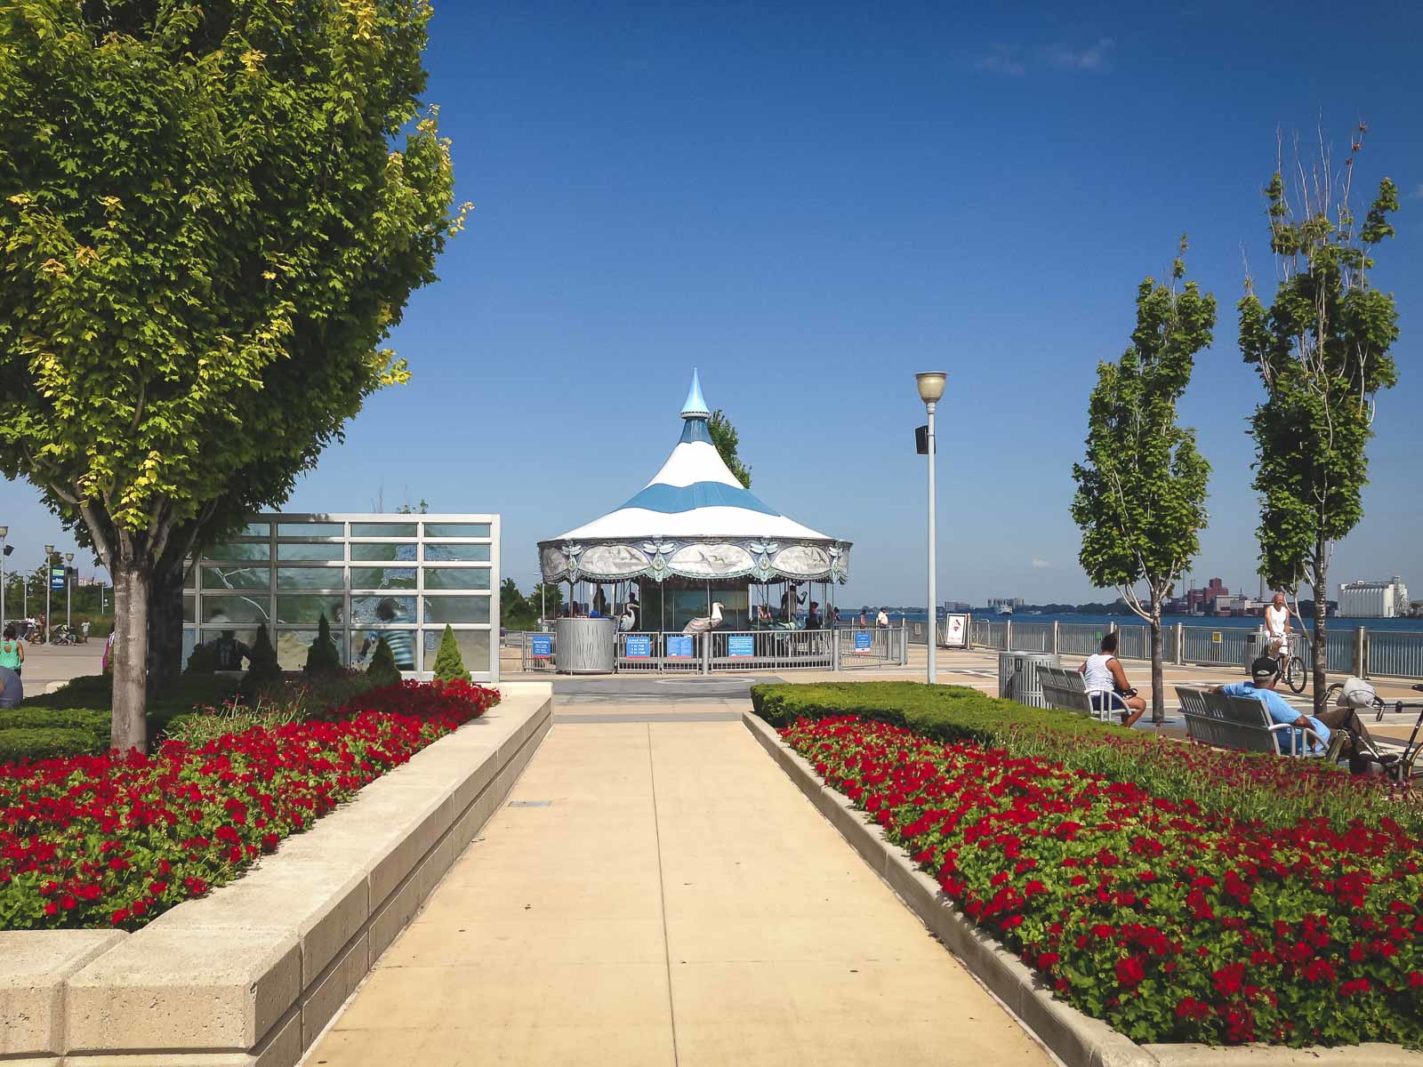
(660, 893)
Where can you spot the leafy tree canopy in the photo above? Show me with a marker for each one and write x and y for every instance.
(726, 439)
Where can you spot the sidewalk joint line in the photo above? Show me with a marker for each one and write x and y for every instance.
(662, 900)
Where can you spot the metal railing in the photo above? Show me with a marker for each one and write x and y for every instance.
(653, 651)
(1396, 653)
(874, 647)
(537, 651)
(770, 649)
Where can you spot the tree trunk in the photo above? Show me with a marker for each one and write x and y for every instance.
(1320, 585)
(1158, 684)
(165, 628)
(131, 591)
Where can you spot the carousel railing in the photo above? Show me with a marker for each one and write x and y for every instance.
(740, 650)
(872, 646)
(662, 652)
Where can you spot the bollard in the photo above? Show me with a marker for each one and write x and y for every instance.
(1055, 625)
(1361, 652)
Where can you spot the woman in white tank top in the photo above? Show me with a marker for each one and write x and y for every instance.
(1103, 673)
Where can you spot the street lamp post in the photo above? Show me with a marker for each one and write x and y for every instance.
(4, 533)
(48, 582)
(931, 388)
(69, 591)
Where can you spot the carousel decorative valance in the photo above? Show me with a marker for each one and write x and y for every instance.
(694, 520)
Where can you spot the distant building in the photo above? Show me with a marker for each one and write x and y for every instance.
(953, 607)
(1005, 604)
(1205, 601)
(1373, 600)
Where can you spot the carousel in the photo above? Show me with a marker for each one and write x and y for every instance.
(694, 552)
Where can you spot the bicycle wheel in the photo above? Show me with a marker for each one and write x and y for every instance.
(1295, 675)
(1331, 695)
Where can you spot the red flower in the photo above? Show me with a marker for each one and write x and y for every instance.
(1130, 972)
(1229, 979)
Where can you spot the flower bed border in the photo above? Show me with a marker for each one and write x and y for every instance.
(1077, 1039)
(252, 973)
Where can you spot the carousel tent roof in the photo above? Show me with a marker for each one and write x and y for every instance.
(693, 495)
(694, 499)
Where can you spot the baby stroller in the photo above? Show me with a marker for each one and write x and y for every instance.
(1366, 757)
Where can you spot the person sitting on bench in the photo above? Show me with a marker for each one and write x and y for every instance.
(1264, 674)
(1103, 673)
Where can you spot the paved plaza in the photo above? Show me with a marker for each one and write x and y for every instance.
(658, 892)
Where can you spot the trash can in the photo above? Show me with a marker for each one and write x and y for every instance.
(584, 646)
(1018, 676)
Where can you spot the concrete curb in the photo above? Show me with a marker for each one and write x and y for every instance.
(249, 975)
(1077, 1039)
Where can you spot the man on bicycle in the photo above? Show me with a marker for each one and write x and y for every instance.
(1277, 629)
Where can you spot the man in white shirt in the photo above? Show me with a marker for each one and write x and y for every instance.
(1277, 625)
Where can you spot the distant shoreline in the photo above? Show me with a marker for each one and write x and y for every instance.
(1335, 624)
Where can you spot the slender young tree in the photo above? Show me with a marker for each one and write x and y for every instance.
(726, 439)
(1322, 352)
(1141, 491)
(211, 215)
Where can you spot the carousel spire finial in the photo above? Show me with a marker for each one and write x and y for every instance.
(695, 407)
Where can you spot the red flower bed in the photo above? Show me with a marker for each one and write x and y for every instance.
(1169, 922)
(115, 840)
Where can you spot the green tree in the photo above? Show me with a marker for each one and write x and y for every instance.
(323, 657)
(1141, 491)
(382, 669)
(210, 219)
(1322, 352)
(449, 664)
(725, 438)
(547, 599)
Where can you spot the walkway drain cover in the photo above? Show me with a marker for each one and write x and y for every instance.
(529, 803)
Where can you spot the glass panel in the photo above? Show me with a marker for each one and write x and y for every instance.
(252, 550)
(293, 645)
(457, 578)
(311, 529)
(393, 552)
(457, 553)
(289, 550)
(234, 609)
(473, 645)
(457, 529)
(382, 529)
(456, 609)
(257, 529)
(190, 638)
(189, 607)
(401, 642)
(247, 637)
(382, 577)
(382, 610)
(236, 578)
(307, 610)
(309, 578)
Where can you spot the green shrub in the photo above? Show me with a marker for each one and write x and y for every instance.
(323, 657)
(263, 671)
(202, 660)
(382, 669)
(27, 717)
(449, 664)
(35, 743)
(200, 726)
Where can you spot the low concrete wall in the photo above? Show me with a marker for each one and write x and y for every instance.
(250, 974)
(1077, 1039)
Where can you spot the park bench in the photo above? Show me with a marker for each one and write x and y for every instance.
(1065, 690)
(1240, 723)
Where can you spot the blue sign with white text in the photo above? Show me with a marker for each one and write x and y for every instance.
(680, 646)
(56, 577)
(862, 640)
(740, 645)
(540, 646)
(638, 647)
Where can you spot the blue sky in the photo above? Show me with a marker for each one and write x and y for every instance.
(811, 203)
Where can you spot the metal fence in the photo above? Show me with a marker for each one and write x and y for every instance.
(1394, 653)
(874, 647)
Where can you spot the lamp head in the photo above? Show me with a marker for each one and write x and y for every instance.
(931, 385)
(69, 557)
(48, 551)
(4, 531)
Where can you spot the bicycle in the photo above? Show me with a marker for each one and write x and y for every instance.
(1292, 669)
(1397, 766)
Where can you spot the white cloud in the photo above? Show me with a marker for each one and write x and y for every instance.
(1040, 564)
(1093, 57)
(1003, 61)
(1418, 191)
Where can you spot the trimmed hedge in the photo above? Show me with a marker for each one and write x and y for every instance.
(944, 712)
(33, 743)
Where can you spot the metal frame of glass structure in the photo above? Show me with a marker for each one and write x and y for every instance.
(399, 576)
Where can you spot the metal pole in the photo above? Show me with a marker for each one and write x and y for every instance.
(48, 558)
(2, 580)
(933, 674)
(69, 592)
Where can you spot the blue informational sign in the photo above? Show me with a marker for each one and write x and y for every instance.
(680, 646)
(862, 640)
(740, 645)
(56, 577)
(638, 647)
(540, 646)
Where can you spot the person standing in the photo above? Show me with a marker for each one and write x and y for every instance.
(12, 650)
(882, 619)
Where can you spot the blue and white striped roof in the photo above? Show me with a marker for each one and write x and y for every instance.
(694, 495)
